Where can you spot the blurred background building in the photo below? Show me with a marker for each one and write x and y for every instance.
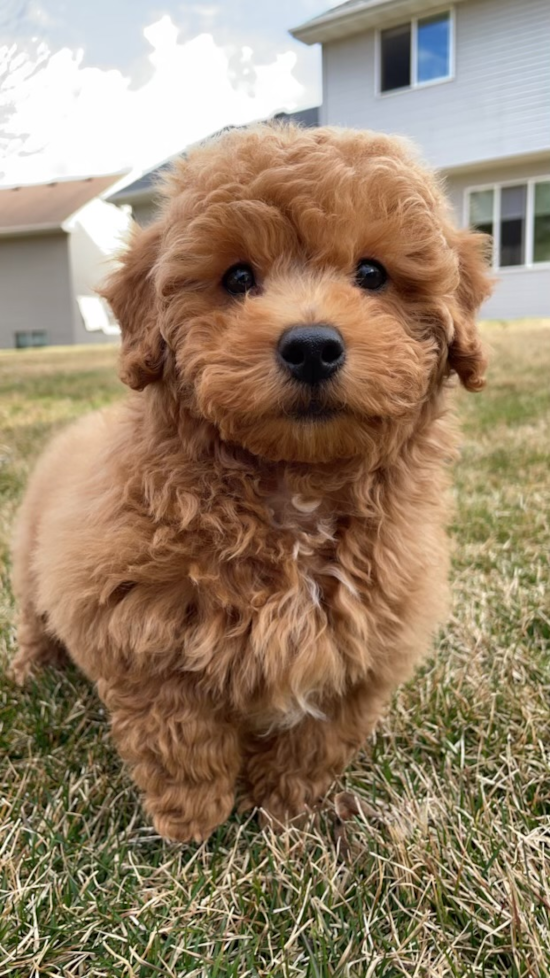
(469, 82)
(56, 243)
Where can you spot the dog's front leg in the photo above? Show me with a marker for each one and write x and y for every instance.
(288, 772)
(182, 754)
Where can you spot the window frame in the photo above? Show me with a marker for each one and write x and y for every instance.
(31, 333)
(530, 183)
(414, 85)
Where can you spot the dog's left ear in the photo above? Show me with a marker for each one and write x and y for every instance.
(466, 356)
(131, 294)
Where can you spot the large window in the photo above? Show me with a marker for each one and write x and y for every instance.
(416, 53)
(517, 216)
(31, 337)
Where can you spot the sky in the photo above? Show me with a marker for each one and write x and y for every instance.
(102, 86)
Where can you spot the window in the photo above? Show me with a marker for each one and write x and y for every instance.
(512, 225)
(517, 216)
(433, 59)
(416, 53)
(541, 244)
(32, 337)
(481, 210)
(396, 58)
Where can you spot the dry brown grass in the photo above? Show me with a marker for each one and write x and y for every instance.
(444, 870)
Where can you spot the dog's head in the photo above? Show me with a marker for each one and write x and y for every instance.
(303, 291)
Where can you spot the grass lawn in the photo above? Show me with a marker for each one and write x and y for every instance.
(445, 871)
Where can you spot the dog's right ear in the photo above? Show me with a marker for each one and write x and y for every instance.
(131, 295)
(466, 356)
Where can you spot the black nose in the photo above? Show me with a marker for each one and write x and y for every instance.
(311, 353)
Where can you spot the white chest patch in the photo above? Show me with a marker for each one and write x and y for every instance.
(304, 505)
(294, 714)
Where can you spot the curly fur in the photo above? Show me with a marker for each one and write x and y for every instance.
(247, 589)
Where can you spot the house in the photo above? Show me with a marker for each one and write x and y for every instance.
(469, 81)
(140, 196)
(56, 242)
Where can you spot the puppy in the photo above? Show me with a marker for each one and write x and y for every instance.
(249, 553)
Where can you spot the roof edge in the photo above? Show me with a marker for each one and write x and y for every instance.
(340, 22)
(30, 208)
(22, 231)
(514, 159)
(118, 175)
(133, 197)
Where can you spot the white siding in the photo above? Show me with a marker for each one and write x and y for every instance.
(89, 266)
(497, 105)
(35, 288)
(520, 292)
(98, 231)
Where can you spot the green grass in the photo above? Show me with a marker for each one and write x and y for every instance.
(445, 871)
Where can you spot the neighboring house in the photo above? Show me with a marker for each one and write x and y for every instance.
(56, 243)
(141, 196)
(469, 81)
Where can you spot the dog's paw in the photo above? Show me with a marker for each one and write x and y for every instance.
(174, 827)
(19, 671)
(277, 814)
(33, 656)
(280, 822)
(195, 820)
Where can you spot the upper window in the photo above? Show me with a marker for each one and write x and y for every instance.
(416, 53)
(395, 46)
(517, 217)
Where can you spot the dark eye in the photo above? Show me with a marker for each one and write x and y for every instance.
(238, 279)
(370, 274)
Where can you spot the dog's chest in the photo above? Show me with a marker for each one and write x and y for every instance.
(285, 557)
(281, 615)
(304, 626)
(308, 529)
(307, 518)
(289, 561)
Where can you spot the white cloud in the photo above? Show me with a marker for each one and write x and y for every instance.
(61, 118)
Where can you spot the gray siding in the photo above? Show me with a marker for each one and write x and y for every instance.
(35, 288)
(497, 105)
(520, 292)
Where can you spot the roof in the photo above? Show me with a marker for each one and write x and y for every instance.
(303, 117)
(145, 186)
(360, 15)
(45, 206)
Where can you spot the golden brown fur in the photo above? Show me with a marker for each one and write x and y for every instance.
(245, 588)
